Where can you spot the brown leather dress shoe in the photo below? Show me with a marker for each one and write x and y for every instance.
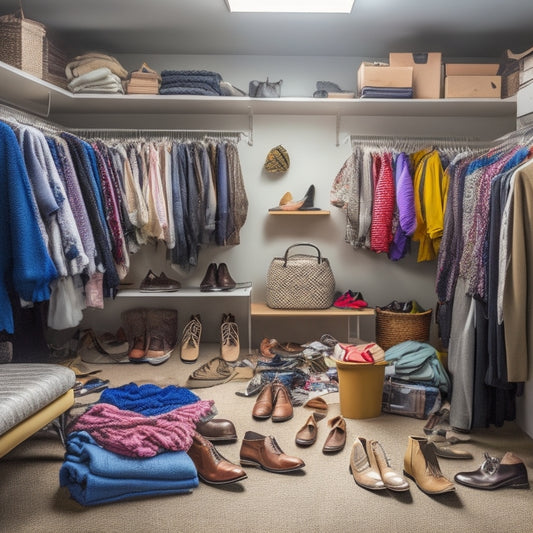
(494, 473)
(212, 468)
(209, 282)
(264, 452)
(217, 430)
(264, 403)
(283, 409)
(224, 280)
(336, 439)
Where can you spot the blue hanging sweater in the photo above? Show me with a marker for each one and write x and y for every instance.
(25, 265)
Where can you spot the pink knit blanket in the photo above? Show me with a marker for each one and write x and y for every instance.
(136, 435)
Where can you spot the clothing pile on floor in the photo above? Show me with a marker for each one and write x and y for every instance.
(133, 443)
(95, 73)
(143, 81)
(191, 82)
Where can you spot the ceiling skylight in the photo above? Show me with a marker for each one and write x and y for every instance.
(290, 6)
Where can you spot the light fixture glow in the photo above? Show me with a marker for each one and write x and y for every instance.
(290, 6)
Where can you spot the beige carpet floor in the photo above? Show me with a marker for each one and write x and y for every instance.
(321, 498)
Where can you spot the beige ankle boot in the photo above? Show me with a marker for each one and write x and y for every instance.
(363, 468)
(392, 480)
(421, 465)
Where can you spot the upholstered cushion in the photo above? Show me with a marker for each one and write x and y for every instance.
(25, 388)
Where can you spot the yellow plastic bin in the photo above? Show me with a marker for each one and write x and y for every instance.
(361, 388)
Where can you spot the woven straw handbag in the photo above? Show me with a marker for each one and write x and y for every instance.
(300, 281)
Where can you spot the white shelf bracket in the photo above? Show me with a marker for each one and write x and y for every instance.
(337, 129)
(250, 126)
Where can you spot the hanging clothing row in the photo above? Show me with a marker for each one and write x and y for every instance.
(76, 208)
(394, 191)
(484, 280)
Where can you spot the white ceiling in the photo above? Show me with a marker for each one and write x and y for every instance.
(457, 28)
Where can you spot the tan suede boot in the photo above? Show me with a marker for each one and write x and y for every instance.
(422, 466)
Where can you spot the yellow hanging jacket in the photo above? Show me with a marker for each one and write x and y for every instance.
(431, 191)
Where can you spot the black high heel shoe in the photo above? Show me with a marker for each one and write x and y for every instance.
(305, 204)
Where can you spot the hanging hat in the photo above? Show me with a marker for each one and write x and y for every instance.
(277, 160)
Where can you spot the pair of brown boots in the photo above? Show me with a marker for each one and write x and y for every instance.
(151, 334)
(274, 401)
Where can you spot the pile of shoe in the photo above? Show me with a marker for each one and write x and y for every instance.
(269, 348)
(350, 300)
(443, 436)
(411, 306)
(161, 283)
(151, 333)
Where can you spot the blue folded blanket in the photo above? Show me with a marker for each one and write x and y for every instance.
(148, 399)
(94, 475)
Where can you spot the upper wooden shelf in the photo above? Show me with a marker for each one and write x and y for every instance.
(32, 94)
(262, 309)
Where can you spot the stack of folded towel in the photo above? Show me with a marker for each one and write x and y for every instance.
(95, 73)
(133, 443)
(190, 82)
(143, 81)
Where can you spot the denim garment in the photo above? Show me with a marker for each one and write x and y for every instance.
(179, 254)
(222, 196)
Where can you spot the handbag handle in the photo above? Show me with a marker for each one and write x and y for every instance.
(286, 256)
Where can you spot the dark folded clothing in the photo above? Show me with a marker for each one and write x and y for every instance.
(192, 84)
(194, 91)
(387, 92)
(189, 73)
(192, 78)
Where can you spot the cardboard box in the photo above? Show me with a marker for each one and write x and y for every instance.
(427, 72)
(380, 75)
(473, 87)
(472, 69)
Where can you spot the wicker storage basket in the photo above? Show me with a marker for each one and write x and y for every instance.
(393, 328)
(54, 63)
(21, 43)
